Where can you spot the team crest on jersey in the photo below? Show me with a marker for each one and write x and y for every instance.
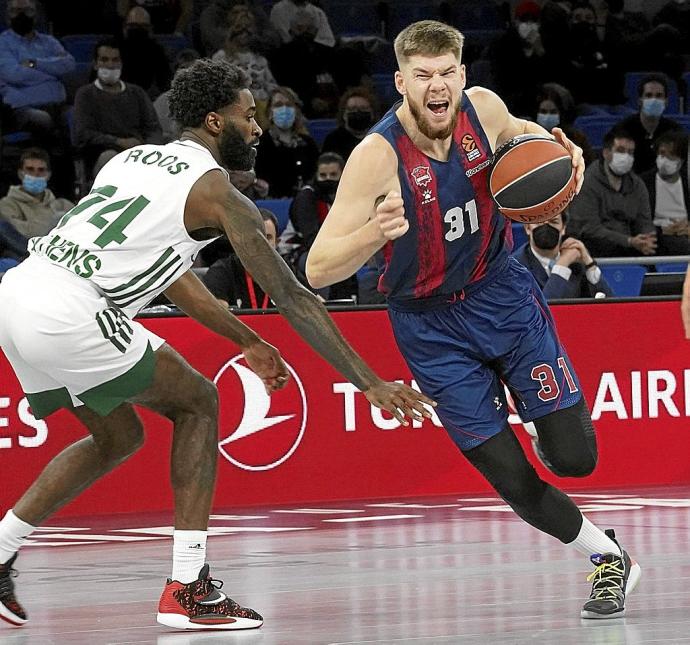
(469, 145)
(421, 175)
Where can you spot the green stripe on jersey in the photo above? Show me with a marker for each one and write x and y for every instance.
(160, 283)
(166, 254)
(124, 298)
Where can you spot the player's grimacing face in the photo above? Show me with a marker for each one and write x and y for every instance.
(433, 87)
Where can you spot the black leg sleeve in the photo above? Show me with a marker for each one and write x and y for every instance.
(503, 463)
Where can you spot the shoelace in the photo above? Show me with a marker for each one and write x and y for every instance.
(609, 585)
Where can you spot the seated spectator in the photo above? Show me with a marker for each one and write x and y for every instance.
(667, 186)
(356, 114)
(677, 14)
(228, 280)
(169, 126)
(308, 67)
(31, 66)
(561, 265)
(556, 108)
(248, 184)
(13, 246)
(167, 16)
(556, 39)
(238, 51)
(518, 63)
(624, 37)
(144, 61)
(611, 214)
(214, 23)
(31, 207)
(110, 115)
(648, 124)
(283, 12)
(307, 213)
(286, 155)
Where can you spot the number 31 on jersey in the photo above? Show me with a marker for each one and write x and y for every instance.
(455, 218)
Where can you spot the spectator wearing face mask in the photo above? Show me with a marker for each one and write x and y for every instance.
(31, 207)
(556, 108)
(518, 64)
(144, 62)
(109, 114)
(308, 212)
(649, 123)
(561, 265)
(356, 114)
(286, 156)
(611, 214)
(32, 65)
(667, 185)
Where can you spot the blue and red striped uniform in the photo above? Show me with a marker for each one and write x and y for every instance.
(467, 317)
(457, 236)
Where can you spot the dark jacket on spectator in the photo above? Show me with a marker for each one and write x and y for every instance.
(228, 280)
(645, 156)
(555, 286)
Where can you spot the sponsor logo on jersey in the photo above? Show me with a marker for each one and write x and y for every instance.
(262, 431)
(469, 145)
(421, 176)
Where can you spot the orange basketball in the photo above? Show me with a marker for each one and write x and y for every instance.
(532, 178)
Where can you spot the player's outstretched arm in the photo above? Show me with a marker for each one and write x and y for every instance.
(214, 202)
(191, 296)
(355, 227)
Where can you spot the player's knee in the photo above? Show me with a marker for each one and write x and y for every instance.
(578, 464)
(207, 399)
(122, 443)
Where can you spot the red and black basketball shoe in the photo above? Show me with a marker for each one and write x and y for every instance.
(201, 605)
(10, 609)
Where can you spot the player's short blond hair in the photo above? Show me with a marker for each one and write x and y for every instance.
(427, 38)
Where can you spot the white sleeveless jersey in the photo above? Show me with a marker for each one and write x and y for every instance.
(127, 236)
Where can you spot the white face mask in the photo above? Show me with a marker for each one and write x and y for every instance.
(666, 166)
(527, 29)
(109, 76)
(621, 163)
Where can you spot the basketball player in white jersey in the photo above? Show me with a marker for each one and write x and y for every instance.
(67, 328)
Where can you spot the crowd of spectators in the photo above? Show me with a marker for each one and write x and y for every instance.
(553, 61)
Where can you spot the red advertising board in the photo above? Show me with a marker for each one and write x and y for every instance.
(320, 440)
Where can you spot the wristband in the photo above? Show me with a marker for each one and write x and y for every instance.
(590, 265)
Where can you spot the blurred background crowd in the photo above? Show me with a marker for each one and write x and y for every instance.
(82, 80)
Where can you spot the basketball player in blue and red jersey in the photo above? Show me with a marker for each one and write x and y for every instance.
(466, 316)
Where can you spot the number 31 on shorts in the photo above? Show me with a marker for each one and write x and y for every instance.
(544, 374)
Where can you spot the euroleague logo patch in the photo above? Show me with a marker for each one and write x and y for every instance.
(258, 431)
(469, 145)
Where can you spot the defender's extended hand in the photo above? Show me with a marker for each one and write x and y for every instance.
(266, 362)
(400, 400)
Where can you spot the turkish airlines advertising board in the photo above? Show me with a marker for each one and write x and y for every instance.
(319, 439)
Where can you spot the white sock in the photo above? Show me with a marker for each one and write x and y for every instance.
(189, 555)
(592, 540)
(13, 532)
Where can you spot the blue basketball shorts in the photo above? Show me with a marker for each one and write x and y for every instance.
(462, 353)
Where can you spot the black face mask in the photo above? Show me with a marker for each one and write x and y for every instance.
(546, 237)
(235, 154)
(326, 187)
(359, 120)
(22, 24)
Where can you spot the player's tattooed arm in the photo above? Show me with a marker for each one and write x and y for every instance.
(243, 226)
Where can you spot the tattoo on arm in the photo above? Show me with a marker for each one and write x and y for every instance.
(303, 310)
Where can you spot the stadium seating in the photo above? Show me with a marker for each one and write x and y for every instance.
(280, 208)
(595, 127)
(81, 46)
(624, 279)
(319, 128)
(384, 86)
(672, 267)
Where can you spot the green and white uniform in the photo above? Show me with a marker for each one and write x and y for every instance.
(66, 312)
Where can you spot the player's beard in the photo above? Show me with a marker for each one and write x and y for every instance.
(426, 128)
(235, 153)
